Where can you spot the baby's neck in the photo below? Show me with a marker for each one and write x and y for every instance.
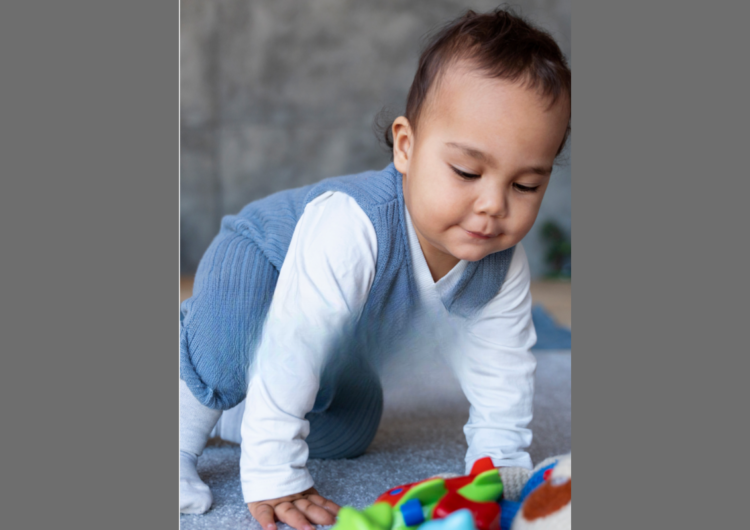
(440, 271)
(439, 263)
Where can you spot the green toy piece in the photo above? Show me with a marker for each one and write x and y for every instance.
(381, 513)
(428, 493)
(379, 516)
(488, 486)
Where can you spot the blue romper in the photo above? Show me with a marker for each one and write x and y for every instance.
(221, 323)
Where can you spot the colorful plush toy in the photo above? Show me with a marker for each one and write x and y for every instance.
(472, 502)
(408, 506)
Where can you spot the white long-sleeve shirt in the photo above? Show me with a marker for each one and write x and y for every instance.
(322, 287)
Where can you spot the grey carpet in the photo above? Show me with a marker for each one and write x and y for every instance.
(421, 434)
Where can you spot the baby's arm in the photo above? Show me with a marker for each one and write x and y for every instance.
(496, 370)
(321, 290)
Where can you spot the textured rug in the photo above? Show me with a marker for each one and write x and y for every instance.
(421, 434)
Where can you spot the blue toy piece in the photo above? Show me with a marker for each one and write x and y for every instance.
(412, 512)
(535, 480)
(458, 520)
(508, 510)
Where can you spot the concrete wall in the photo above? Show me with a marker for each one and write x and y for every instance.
(282, 93)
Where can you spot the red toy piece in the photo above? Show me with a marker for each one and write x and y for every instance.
(479, 492)
(482, 465)
(486, 514)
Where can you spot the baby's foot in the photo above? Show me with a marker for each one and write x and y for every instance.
(195, 496)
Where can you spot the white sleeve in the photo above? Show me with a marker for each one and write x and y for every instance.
(322, 287)
(496, 371)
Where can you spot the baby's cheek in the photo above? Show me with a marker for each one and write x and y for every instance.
(440, 213)
(521, 223)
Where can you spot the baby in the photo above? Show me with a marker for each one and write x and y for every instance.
(302, 295)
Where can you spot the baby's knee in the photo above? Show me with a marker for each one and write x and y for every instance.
(348, 425)
(214, 371)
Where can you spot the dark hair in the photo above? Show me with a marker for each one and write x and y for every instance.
(501, 45)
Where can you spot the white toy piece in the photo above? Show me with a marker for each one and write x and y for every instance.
(548, 506)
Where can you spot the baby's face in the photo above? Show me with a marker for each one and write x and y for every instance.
(475, 175)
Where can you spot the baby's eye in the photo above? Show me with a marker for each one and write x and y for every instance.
(525, 189)
(463, 174)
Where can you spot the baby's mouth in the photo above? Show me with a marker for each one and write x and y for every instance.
(481, 235)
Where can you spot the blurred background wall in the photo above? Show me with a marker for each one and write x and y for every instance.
(281, 93)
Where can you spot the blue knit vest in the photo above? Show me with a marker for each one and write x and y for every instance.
(270, 222)
(220, 325)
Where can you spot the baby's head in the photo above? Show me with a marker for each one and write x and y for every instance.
(486, 116)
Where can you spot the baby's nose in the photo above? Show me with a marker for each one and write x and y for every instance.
(492, 204)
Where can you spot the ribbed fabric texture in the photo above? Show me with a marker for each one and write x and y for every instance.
(221, 323)
(479, 283)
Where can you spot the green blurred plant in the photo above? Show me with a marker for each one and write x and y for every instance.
(558, 250)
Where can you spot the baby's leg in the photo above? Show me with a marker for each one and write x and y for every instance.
(219, 328)
(344, 419)
(196, 423)
(229, 425)
(347, 410)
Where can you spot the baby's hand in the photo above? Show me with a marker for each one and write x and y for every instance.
(296, 510)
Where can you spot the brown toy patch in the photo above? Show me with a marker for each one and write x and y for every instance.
(546, 499)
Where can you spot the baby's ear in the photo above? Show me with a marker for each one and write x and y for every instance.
(403, 143)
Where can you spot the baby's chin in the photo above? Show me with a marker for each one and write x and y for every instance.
(476, 252)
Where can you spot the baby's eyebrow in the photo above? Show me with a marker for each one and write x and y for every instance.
(472, 152)
(543, 171)
(490, 161)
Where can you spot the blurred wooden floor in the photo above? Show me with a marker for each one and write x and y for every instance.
(555, 296)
